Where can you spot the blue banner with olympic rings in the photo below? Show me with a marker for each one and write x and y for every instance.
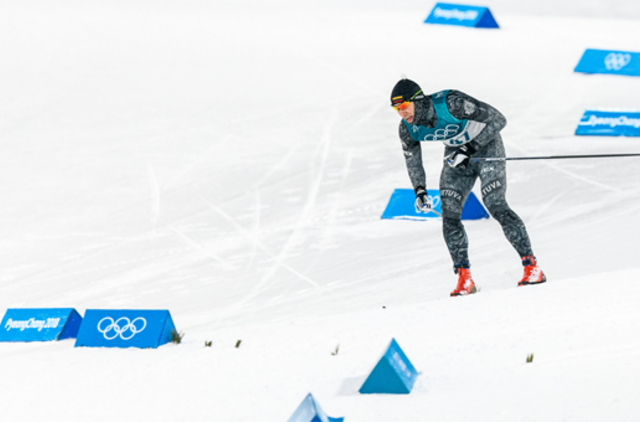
(609, 61)
(401, 206)
(125, 328)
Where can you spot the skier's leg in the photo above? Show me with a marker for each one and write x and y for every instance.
(493, 177)
(455, 185)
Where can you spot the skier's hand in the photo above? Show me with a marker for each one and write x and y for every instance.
(423, 204)
(460, 157)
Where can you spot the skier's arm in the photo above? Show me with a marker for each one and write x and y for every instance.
(462, 106)
(413, 158)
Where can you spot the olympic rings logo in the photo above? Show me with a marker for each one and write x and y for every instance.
(616, 61)
(115, 328)
(442, 134)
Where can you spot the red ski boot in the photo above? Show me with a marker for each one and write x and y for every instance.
(532, 273)
(465, 286)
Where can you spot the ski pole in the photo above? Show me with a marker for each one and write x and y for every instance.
(555, 157)
(430, 210)
(436, 212)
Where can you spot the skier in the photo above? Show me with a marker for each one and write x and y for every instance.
(469, 129)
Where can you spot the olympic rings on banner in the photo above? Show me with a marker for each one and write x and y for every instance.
(616, 61)
(115, 329)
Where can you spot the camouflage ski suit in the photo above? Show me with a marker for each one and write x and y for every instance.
(456, 183)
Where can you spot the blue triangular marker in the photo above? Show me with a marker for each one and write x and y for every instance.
(609, 61)
(461, 15)
(393, 374)
(310, 411)
(125, 328)
(39, 324)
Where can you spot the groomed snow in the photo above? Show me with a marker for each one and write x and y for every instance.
(230, 163)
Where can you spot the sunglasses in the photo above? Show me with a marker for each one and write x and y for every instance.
(403, 105)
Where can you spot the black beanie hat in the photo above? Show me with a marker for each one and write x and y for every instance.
(405, 90)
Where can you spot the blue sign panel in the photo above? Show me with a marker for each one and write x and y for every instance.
(310, 411)
(607, 61)
(457, 14)
(44, 324)
(609, 123)
(125, 328)
(394, 373)
(401, 206)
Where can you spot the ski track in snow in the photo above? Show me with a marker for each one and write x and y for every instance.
(307, 210)
(198, 247)
(278, 262)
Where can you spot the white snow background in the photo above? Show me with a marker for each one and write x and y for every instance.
(229, 161)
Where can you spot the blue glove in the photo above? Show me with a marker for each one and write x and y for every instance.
(460, 157)
(423, 204)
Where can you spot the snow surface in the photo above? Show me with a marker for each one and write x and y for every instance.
(229, 161)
